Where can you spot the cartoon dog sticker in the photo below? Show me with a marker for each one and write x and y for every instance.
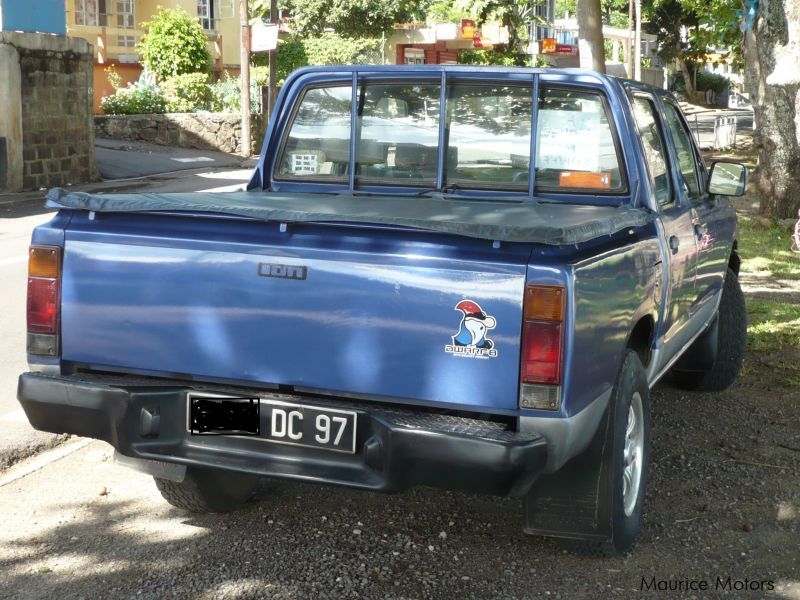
(475, 324)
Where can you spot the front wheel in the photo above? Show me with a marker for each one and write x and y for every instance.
(731, 342)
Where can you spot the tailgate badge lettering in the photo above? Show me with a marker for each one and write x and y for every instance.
(282, 271)
(471, 340)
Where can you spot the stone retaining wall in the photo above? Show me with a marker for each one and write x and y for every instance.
(46, 133)
(203, 130)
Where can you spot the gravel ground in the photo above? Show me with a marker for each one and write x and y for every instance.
(724, 501)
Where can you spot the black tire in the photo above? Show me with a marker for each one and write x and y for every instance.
(620, 524)
(625, 527)
(731, 342)
(208, 490)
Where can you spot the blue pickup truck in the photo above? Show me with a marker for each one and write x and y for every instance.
(459, 277)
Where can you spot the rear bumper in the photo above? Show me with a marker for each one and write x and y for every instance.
(395, 449)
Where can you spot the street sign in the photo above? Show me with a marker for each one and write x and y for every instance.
(263, 37)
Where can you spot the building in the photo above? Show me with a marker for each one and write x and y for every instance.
(33, 16)
(114, 27)
(440, 43)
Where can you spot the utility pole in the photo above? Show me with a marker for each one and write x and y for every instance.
(273, 60)
(244, 76)
(628, 54)
(637, 51)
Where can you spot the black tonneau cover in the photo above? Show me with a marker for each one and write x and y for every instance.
(506, 220)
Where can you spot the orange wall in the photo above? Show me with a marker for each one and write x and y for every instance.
(128, 72)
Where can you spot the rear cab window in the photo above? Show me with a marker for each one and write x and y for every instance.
(318, 142)
(398, 133)
(481, 139)
(575, 145)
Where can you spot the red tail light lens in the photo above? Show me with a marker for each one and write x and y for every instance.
(42, 305)
(44, 268)
(541, 352)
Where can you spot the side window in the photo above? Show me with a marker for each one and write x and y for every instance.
(644, 111)
(318, 144)
(489, 129)
(575, 146)
(398, 133)
(684, 149)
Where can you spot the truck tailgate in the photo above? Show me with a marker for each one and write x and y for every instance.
(369, 311)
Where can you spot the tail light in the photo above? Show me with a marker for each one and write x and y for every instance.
(542, 332)
(44, 299)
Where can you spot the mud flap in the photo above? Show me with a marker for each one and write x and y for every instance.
(702, 354)
(575, 502)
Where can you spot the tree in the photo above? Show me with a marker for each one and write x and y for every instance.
(772, 76)
(350, 18)
(174, 44)
(686, 29)
(590, 29)
(514, 14)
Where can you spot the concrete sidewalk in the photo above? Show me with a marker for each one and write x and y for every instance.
(19, 213)
(122, 159)
(131, 166)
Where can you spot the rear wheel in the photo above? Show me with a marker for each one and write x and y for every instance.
(731, 342)
(208, 490)
(594, 503)
(628, 435)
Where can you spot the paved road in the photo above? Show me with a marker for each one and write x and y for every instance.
(702, 124)
(17, 438)
(121, 159)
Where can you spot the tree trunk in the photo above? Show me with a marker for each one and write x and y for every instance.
(590, 29)
(687, 79)
(772, 76)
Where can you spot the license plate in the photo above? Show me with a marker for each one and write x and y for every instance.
(280, 422)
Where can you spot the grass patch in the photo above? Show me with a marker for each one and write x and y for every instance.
(773, 337)
(765, 251)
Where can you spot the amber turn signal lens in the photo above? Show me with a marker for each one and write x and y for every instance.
(544, 303)
(44, 261)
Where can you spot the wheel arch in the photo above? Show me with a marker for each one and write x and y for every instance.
(640, 338)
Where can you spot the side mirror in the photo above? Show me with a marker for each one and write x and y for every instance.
(727, 179)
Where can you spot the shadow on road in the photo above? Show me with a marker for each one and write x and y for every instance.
(723, 502)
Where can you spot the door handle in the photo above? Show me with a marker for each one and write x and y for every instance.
(674, 244)
(699, 231)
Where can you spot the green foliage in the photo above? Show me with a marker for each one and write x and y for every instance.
(333, 49)
(709, 23)
(174, 44)
(187, 93)
(503, 57)
(226, 94)
(446, 11)
(773, 338)
(351, 18)
(711, 81)
(291, 55)
(114, 78)
(135, 99)
(766, 252)
(514, 14)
